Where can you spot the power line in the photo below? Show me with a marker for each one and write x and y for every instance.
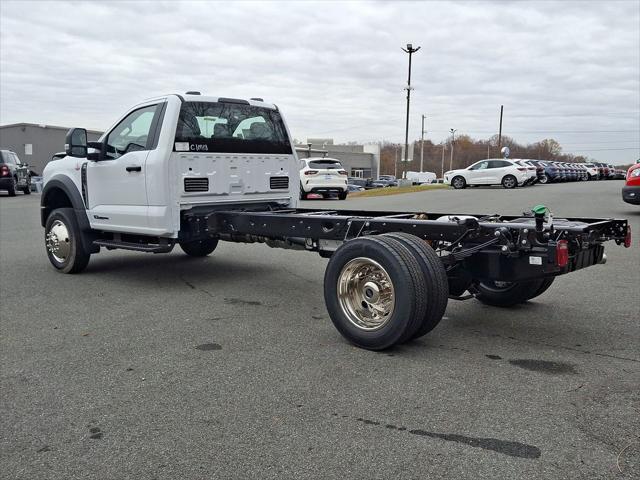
(603, 149)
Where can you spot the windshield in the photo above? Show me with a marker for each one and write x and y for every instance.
(230, 128)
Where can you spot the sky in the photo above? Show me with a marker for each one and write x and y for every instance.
(565, 70)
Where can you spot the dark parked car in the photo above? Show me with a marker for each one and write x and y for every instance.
(14, 175)
(366, 183)
(354, 188)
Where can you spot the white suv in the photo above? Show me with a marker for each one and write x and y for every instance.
(494, 171)
(324, 176)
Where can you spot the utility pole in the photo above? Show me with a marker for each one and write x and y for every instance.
(422, 147)
(410, 50)
(500, 131)
(442, 164)
(488, 146)
(453, 133)
(395, 167)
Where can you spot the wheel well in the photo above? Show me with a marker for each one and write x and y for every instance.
(54, 198)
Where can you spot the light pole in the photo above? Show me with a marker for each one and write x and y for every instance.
(453, 132)
(410, 50)
(422, 146)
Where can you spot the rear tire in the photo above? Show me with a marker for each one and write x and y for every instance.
(508, 294)
(509, 181)
(199, 248)
(458, 183)
(12, 188)
(374, 292)
(544, 180)
(343, 195)
(435, 278)
(63, 241)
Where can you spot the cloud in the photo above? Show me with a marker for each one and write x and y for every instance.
(336, 69)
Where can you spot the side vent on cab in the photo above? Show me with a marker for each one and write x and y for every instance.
(279, 183)
(196, 184)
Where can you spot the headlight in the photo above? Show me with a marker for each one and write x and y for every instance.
(635, 173)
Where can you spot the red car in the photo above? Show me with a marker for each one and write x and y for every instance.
(631, 189)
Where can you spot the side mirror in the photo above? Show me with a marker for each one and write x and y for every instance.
(75, 144)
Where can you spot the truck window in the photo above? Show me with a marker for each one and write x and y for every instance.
(231, 128)
(132, 133)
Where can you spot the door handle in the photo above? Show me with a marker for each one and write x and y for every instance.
(134, 168)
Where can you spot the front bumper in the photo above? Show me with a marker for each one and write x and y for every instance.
(631, 194)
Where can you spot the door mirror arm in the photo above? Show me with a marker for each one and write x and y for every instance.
(98, 153)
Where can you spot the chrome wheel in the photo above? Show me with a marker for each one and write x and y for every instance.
(544, 179)
(366, 294)
(458, 182)
(58, 241)
(509, 182)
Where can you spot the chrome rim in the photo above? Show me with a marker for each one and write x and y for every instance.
(508, 182)
(58, 241)
(366, 294)
(543, 179)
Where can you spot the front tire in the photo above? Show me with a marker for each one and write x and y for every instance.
(458, 183)
(199, 248)
(509, 181)
(63, 241)
(374, 292)
(27, 190)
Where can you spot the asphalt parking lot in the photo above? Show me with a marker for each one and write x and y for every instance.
(169, 367)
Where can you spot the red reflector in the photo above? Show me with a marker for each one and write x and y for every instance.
(627, 237)
(311, 172)
(562, 253)
(4, 171)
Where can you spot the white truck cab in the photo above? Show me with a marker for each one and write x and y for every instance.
(173, 153)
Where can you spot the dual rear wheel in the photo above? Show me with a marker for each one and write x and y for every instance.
(384, 290)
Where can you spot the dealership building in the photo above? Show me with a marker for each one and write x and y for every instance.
(35, 144)
(358, 160)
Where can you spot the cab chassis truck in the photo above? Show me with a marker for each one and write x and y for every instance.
(194, 170)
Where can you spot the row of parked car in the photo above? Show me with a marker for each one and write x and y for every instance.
(512, 173)
(565, 172)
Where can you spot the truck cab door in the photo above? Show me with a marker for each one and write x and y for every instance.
(115, 186)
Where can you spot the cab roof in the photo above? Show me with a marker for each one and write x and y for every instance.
(196, 97)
